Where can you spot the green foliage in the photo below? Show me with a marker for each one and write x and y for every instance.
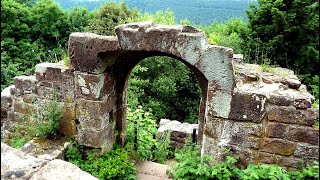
(263, 172)
(109, 165)
(148, 148)
(191, 166)
(167, 87)
(48, 119)
(166, 17)
(226, 34)
(44, 122)
(108, 16)
(30, 35)
(286, 32)
(310, 172)
(49, 24)
(65, 59)
(78, 19)
(21, 133)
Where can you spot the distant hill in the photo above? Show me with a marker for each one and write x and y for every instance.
(201, 12)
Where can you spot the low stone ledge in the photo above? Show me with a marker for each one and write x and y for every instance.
(54, 72)
(179, 132)
(16, 164)
(61, 170)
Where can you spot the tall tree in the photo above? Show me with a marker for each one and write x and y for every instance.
(108, 16)
(49, 24)
(285, 32)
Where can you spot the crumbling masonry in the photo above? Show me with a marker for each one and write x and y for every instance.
(260, 116)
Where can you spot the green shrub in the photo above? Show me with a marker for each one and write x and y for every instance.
(109, 165)
(21, 133)
(191, 166)
(44, 122)
(48, 119)
(148, 148)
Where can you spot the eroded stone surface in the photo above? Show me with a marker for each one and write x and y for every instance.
(61, 170)
(17, 165)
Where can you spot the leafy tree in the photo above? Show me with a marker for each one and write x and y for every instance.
(160, 17)
(226, 34)
(15, 41)
(285, 33)
(15, 20)
(166, 86)
(49, 24)
(78, 18)
(108, 16)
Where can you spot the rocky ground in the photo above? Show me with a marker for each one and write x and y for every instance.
(31, 162)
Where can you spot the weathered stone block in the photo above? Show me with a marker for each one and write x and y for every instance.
(213, 127)
(288, 162)
(148, 36)
(307, 151)
(178, 134)
(29, 98)
(67, 123)
(6, 101)
(58, 92)
(302, 103)
(22, 107)
(292, 115)
(280, 99)
(276, 130)
(94, 87)
(24, 84)
(292, 83)
(247, 107)
(246, 155)
(103, 138)
(54, 72)
(92, 109)
(247, 129)
(246, 142)
(303, 134)
(178, 139)
(94, 124)
(86, 51)
(278, 146)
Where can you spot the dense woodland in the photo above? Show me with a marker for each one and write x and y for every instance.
(276, 33)
(201, 12)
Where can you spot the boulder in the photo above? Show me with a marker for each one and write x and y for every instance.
(17, 165)
(61, 170)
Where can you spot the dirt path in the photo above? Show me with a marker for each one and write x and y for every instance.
(148, 170)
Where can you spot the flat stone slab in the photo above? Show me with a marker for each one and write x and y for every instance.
(148, 170)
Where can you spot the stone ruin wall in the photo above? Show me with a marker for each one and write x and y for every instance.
(260, 116)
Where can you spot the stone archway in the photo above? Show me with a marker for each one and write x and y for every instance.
(264, 115)
(111, 59)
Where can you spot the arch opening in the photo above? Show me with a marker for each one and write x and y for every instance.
(128, 61)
